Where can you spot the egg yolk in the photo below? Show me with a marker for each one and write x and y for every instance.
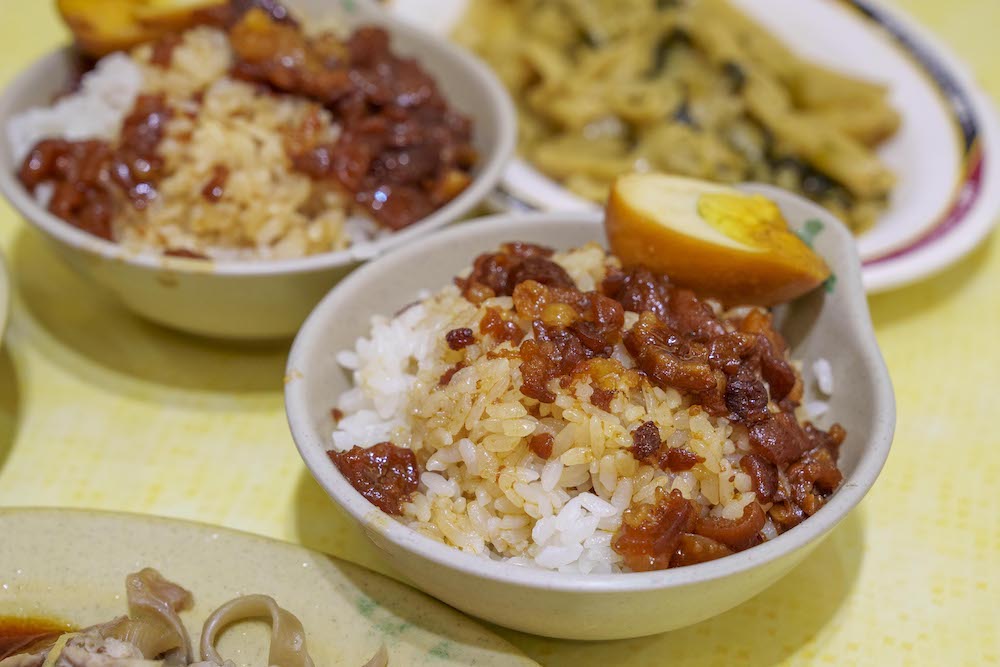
(752, 220)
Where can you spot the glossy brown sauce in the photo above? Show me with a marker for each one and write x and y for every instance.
(215, 187)
(88, 176)
(736, 369)
(18, 633)
(403, 152)
(385, 474)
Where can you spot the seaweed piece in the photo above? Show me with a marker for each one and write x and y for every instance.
(736, 75)
(591, 40)
(683, 115)
(664, 47)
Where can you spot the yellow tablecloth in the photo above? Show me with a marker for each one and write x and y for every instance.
(99, 409)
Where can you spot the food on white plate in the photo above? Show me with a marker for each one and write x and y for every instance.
(153, 634)
(689, 87)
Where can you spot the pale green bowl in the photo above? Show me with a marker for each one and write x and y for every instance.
(831, 322)
(265, 298)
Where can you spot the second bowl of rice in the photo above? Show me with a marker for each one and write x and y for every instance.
(436, 419)
(249, 221)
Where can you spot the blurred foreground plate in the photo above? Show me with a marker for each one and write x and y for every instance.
(946, 153)
(70, 565)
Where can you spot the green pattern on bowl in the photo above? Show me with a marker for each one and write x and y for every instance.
(810, 230)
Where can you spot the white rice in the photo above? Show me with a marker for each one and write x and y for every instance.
(482, 490)
(823, 373)
(816, 409)
(267, 209)
(95, 111)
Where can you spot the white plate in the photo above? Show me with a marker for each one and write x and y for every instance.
(70, 565)
(945, 154)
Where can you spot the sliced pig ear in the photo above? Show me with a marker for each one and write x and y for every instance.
(288, 638)
(154, 626)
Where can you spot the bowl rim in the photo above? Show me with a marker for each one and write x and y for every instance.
(487, 176)
(311, 445)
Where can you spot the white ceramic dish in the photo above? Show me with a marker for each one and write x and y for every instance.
(260, 299)
(946, 154)
(70, 566)
(833, 324)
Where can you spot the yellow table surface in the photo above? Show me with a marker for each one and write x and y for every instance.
(101, 410)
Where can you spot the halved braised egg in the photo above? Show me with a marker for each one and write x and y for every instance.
(714, 239)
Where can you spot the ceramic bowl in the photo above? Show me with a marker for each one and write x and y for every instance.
(260, 299)
(832, 323)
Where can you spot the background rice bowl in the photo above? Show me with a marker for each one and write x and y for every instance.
(204, 296)
(630, 604)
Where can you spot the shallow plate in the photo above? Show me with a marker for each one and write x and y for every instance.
(945, 154)
(71, 565)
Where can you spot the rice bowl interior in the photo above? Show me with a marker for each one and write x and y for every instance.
(555, 411)
(248, 137)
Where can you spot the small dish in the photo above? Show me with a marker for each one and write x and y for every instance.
(945, 154)
(260, 299)
(831, 323)
(70, 566)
